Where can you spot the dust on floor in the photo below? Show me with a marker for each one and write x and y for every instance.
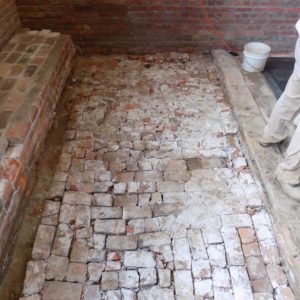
(152, 196)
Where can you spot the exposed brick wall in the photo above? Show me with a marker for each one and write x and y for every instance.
(143, 26)
(34, 67)
(9, 20)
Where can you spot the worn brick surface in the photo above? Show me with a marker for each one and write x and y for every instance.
(156, 207)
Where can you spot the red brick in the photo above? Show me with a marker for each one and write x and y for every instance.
(167, 25)
(251, 249)
(9, 20)
(247, 235)
(13, 101)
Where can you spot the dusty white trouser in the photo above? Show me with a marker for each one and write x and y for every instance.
(285, 110)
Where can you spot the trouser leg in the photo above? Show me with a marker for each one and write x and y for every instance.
(288, 170)
(286, 108)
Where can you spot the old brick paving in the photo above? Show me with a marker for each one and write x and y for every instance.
(152, 196)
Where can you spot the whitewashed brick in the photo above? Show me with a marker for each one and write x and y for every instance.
(196, 244)
(164, 277)
(182, 255)
(201, 269)
(110, 226)
(216, 254)
(223, 294)
(147, 276)
(221, 278)
(212, 236)
(129, 279)
(233, 247)
(139, 259)
(240, 283)
(183, 284)
(154, 239)
(203, 288)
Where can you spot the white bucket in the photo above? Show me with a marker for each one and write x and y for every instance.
(255, 56)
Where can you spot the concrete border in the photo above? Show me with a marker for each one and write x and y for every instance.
(284, 211)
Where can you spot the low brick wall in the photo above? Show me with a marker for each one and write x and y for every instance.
(34, 67)
(9, 20)
(163, 25)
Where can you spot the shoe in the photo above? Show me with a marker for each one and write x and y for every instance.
(290, 177)
(267, 143)
(293, 191)
(263, 144)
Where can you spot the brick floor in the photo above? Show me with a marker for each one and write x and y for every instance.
(153, 197)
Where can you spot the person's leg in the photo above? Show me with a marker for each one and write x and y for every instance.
(288, 171)
(286, 108)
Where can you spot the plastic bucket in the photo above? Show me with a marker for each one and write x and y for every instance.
(255, 56)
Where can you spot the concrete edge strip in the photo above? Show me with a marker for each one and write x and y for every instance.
(262, 159)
